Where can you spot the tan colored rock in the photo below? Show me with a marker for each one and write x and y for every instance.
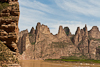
(9, 24)
(61, 36)
(23, 42)
(85, 31)
(94, 33)
(32, 30)
(47, 45)
(80, 34)
(77, 37)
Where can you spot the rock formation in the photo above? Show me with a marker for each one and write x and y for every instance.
(80, 35)
(7, 57)
(45, 45)
(23, 42)
(67, 31)
(32, 36)
(32, 30)
(77, 37)
(94, 33)
(9, 16)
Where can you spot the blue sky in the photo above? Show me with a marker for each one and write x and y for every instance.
(53, 13)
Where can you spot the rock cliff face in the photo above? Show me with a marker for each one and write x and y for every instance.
(47, 45)
(44, 45)
(7, 56)
(23, 42)
(87, 42)
(9, 16)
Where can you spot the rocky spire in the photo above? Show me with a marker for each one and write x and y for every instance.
(67, 31)
(85, 30)
(32, 30)
(60, 30)
(62, 35)
(77, 37)
(38, 27)
(82, 32)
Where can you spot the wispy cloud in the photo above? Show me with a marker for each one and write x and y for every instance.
(36, 5)
(89, 8)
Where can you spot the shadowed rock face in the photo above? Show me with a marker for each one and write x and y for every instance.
(67, 31)
(9, 17)
(23, 42)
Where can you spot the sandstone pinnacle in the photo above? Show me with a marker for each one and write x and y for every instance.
(32, 30)
(85, 30)
(78, 31)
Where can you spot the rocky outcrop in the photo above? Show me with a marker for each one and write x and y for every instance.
(7, 57)
(23, 42)
(77, 38)
(32, 36)
(94, 33)
(47, 45)
(67, 31)
(61, 36)
(87, 43)
(80, 35)
(43, 33)
(81, 40)
(32, 30)
(9, 16)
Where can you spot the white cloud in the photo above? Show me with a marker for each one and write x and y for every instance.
(36, 5)
(84, 7)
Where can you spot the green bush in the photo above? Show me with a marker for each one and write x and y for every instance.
(4, 65)
(3, 6)
(33, 43)
(74, 57)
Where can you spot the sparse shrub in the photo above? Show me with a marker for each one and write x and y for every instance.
(3, 6)
(33, 43)
(4, 65)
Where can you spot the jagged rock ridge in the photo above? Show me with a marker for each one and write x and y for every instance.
(45, 45)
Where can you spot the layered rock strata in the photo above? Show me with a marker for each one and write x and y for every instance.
(9, 17)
